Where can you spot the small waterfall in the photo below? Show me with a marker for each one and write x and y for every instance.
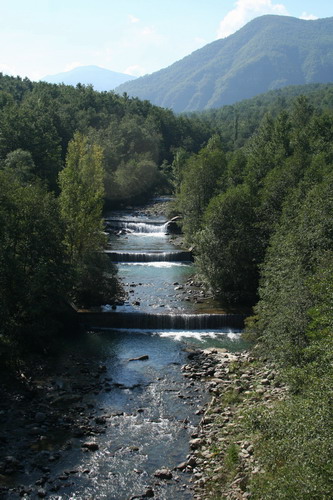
(142, 227)
(138, 227)
(137, 320)
(176, 256)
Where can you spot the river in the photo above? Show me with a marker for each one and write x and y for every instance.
(147, 408)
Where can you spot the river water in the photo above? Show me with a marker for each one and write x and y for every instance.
(150, 408)
(160, 407)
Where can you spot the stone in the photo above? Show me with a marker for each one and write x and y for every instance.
(140, 358)
(90, 445)
(149, 493)
(40, 417)
(196, 443)
(100, 420)
(163, 473)
(192, 462)
(133, 448)
(66, 399)
(181, 466)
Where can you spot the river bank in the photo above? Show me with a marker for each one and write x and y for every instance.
(223, 451)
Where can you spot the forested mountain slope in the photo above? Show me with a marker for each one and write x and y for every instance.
(270, 52)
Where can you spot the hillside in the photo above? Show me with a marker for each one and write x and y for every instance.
(101, 78)
(270, 52)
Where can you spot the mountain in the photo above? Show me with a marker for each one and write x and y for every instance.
(269, 52)
(100, 78)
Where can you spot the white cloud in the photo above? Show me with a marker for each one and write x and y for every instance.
(135, 70)
(308, 17)
(244, 11)
(133, 19)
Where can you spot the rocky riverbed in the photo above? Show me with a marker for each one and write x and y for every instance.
(223, 460)
(40, 423)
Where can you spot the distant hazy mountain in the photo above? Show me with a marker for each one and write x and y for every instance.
(270, 52)
(100, 78)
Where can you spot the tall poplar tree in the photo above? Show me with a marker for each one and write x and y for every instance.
(81, 204)
(81, 198)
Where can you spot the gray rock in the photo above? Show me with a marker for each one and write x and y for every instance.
(40, 417)
(196, 443)
(163, 473)
(182, 466)
(90, 445)
(140, 358)
(100, 420)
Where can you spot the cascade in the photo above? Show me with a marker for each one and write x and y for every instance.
(141, 242)
(175, 256)
(172, 321)
(137, 227)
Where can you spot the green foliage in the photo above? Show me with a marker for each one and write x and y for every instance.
(33, 270)
(81, 198)
(295, 446)
(321, 289)
(42, 119)
(303, 236)
(202, 176)
(231, 458)
(236, 124)
(20, 164)
(81, 204)
(95, 281)
(29, 126)
(228, 250)
(134, 181)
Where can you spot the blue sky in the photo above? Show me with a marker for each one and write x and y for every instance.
(43, 37)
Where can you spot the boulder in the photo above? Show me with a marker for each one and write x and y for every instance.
(90, 445)
(163, 473)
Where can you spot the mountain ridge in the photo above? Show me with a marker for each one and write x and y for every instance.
(253, 60)
(102, 79)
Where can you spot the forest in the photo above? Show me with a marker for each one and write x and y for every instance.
(259, 217)
(253, 183)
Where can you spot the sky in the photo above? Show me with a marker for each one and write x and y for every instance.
(137, 37)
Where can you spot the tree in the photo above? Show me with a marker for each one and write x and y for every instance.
(81, 204)
(202, 178)
(303, 236)
(81, 198)
(33, 270)
(135, 180)
(20, 164)
(228, 250)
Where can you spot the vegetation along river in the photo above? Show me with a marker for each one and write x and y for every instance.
(140, 414)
